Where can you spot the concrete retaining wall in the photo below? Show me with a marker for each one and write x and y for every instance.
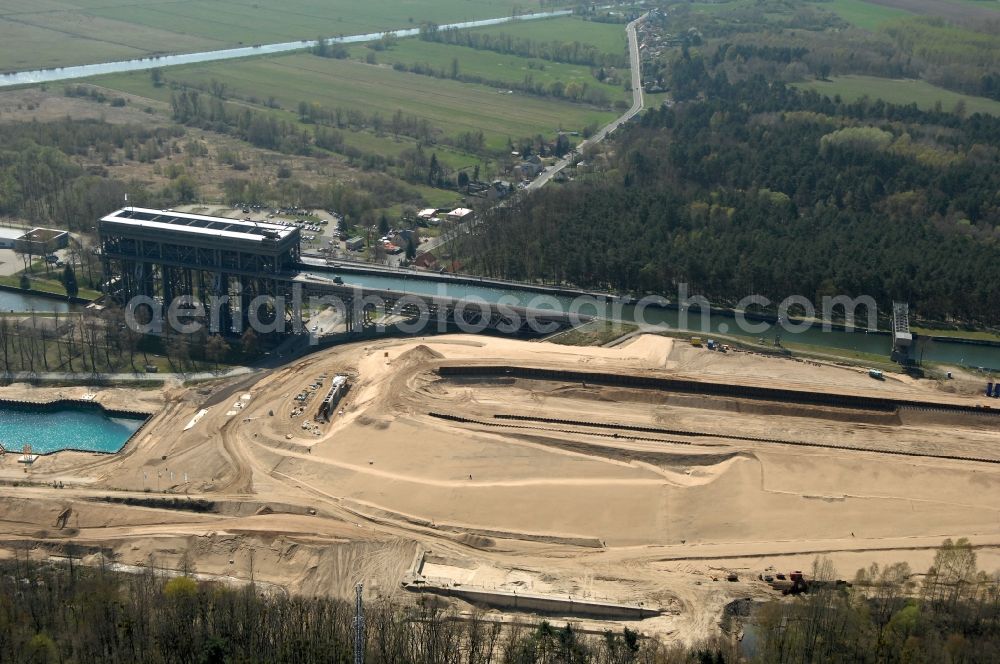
(543, 604)
(685, 386)
(59, 404)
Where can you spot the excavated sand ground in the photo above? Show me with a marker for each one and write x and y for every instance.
(544, 508)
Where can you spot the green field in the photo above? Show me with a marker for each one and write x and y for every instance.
(900, 91)
(863, 14)
(492, 66)
(866, 15)
(988, 4)
(389, 146)
(48, 33)
(978, 335)
(596, 333)
(451, 105)
(720, 7)
(606, 37)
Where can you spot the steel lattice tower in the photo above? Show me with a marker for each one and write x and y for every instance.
(359, 626)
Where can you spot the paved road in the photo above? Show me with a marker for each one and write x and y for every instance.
(638, 103)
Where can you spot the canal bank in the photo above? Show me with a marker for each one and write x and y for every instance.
(404, 274)
(760, 328)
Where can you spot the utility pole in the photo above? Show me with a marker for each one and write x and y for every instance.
(359, 626)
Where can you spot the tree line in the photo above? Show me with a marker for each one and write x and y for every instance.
(262, 130)
(572, 91)
(63, 612)
(887, 617)
(399, 124)
(570, 52)
(89, 343)
(952, 57)
(67, 613)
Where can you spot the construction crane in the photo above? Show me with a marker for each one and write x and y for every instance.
(359, 626)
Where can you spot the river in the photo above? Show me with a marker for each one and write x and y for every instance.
(84, 71)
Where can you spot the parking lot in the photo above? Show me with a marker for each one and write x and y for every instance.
(319, 227)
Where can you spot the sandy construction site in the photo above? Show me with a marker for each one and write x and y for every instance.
(591, 498)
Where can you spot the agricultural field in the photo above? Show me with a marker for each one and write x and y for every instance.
(52, 33)
(967, 12)
(866, 15)
(606, 37)
(491, 66)
(720, 7)
(898, 91)
(21, 48)
(872, 15)
(457, 107)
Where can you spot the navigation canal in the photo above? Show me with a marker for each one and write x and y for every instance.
(85, 71)
(950, 352)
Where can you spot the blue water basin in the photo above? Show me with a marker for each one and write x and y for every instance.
(64, 426)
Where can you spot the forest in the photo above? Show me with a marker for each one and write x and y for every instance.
(54, 173)
(65, 612)
(887, 616)
(754, 187)
(72, 614)
(749, 39)
(42, 179)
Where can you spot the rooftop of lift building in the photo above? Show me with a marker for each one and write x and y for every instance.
(197, 224)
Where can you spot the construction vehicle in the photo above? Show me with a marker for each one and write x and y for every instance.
(792, 584)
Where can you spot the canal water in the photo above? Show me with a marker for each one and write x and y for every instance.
(947, 352)
(70, 427)
(12, 301)
(84, 71)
